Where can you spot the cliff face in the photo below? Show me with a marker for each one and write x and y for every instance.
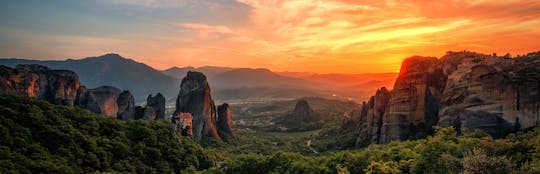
(412, 106)
(62, 87)
(224, 123)
(462, 89)
(371, 117)
(497, 95)
(195, 98)
(101, 100)
(55, 86)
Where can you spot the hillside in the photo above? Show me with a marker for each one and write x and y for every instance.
(38, 137)
(112, 70)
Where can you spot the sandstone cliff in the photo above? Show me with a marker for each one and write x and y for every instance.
(55, 86)
(195, 98)
(101, 100)
(462, 89)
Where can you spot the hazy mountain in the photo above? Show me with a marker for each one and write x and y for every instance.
(248, 77)
(209, 71)
(113, 70)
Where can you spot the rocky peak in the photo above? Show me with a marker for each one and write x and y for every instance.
(126, 106)
(371, 117)
(195, 98)
(302, 111)
(101, 100)
(465, 90)
(224, 123)
(155, 107)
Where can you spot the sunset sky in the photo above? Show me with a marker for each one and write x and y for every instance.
(342, 36)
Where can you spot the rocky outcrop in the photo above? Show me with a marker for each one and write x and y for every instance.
(497, 95)
(126, 106)
(412, 107)
(371, 117)
(100, 100)
(62, 87)
(465, 90)
(55, 86)
(302, 113)
(183, 124)
(195, 98)
(224, 123)
(155, 107)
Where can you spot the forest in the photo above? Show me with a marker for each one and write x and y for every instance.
(38, 137)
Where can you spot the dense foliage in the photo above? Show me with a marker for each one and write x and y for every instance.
(37, 137)
(445, 152)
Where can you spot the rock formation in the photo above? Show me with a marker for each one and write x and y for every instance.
(55, 86)
(412, 105)
(371, 117)
(101, 100)
(155, 107)
(62, 87)
(494, 94)
(224, 122)
(465, 90)
(183, 123)
(302, 113)
(195, 98)
(126, 106)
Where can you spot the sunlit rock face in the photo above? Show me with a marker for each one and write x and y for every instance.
(55, 86)
(101, 100)
(465, 90)
(224, 123)
(195, 98)
(413, 105)
(183, 123)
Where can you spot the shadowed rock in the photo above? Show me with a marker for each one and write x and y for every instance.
(126, 106)
(155, 107)
(224, 123)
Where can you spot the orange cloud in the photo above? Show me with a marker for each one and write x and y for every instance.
(363, 36)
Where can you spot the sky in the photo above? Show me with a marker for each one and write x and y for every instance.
(322, 36)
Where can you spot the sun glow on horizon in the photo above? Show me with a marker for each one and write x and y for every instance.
(341, 36)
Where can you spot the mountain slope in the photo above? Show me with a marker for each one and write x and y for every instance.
(209, 71)
(112, 70)
(248, 77)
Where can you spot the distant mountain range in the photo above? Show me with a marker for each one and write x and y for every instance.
(113, 70)
(227, 83)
